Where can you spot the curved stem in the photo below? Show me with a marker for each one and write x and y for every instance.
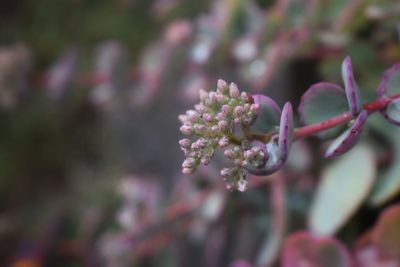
(371, 107)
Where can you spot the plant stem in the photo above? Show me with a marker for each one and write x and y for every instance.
(371, 107)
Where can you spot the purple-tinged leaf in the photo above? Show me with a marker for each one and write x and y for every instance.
(268, 116)
(390, 84)
(304, 249)
(386, 234)
(349, 138)
(351, 87)
(286, 131)
(323, 101)
(278, 151)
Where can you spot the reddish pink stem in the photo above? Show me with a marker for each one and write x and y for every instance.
(371, 107)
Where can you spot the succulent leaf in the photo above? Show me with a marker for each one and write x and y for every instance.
(349, 138)
(390, 84)
(278, 151)
(387, 184)
(304, 249)
(323, 101)
(286, 129)
(268, 116)
(386, 234)
(343, 187)
(351, 87)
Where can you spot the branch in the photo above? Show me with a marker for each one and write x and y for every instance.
(371, 107)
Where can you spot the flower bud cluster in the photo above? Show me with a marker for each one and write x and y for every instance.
(212, 122)
(241, 155)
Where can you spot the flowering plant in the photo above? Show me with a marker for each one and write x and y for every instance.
(256, 135)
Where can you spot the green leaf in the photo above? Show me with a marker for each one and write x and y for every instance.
(343, 187)
(393, 111)
(268, 117)
(387, 184)
(323, 101)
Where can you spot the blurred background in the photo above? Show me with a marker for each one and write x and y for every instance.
(90, 91)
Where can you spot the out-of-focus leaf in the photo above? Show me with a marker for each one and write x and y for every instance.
(387, 184)
(390, 84)
(343, 187)
(393, 111)
(269, 115)
(351, 87)
(300, 157)
(349, 138)
(386, 234)
(323, 101)
(304, 249)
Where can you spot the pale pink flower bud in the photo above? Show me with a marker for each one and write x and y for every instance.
(203, 95)
(183, 118)
(242, 185)
(225, 109)
(229, 153)
(248, 154)
(186, 129)
(226, 172)
(200, 108)
(207, 117)
(223, 142)
(213, 97)
(221, 98)
(199, 128)
(215, 128)
(221, 85)
(233, 90)
(187, 170)
(255, 108)
(223, 124)
(205, 160)
(238, 111)
(244, 96)
(185, 143)
(188, 163)
(192, 115)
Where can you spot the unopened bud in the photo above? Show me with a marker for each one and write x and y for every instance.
(192, 115)
(223, 142)
(229, 153)
(205, 160)
(186, 129)
(207, 117)
(185, 143)
(222, 85)
(255, 108)
(187, 170)
(223, 124)
(233, 90)
(238, 110)
(242, 185)
(226, 172)
(203, 95)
